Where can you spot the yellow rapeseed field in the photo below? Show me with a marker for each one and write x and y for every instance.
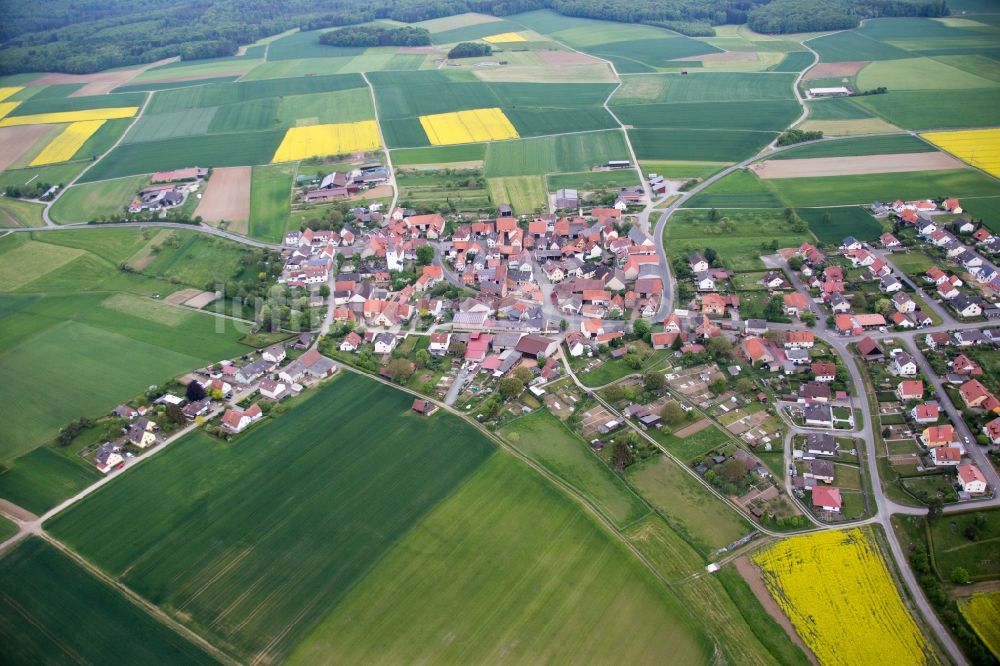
(64, 146)
(6, 92)
(836, 590)
(71, 116)
(7, 107)
(504, 37)
(319, 140)
(982, 611)
(445, 129)
(980, 148)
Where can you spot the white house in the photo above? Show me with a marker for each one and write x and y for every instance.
(238, 420)
(274, 354)
(385, 343)
(904, 365)
(971, 479)
(440, 342)
(107, 458)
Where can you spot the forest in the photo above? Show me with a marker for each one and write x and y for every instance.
(82, 36)
(375, 35)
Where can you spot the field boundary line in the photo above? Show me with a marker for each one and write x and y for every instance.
(137, 600)
(385, 147)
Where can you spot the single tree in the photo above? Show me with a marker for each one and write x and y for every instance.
(510, 387)
(425, 255)
(960, 576)
(621, 455)
(654, 381)
(673, 414)
(195, 391)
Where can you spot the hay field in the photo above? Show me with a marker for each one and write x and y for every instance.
(980, 148)
(321, 140)
(446, 129)
(69, 141)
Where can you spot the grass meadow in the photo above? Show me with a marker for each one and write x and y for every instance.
(53, 611)
(850, 221)
(525, 194)
(18, 213)
(547, 441)
(40, 479)
(270, 201)
(567, 153)
(507, 568)
(91, 201)
(740, 237)
(927, 110)
(296, 512)
(699, 517)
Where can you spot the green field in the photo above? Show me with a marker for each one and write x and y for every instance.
(472, 152)
(507, 569)
(852, 45)
(186, 122)
(63, 104)
(525, 194)
(836, 108)
(168, 85)
(567, 153)
(285, 541)
(210, 150)
(926, 110)
(795, 61)
(986, 209)
(270, 201)
(92, 201)
(851, 221)
(682, 169)
(42, 478)
(918, 74)
(952, 548)
(697, 145)
(740, 240)
(547, 441)
(752, 115)
(345, 106)
(20, 213)
(231, 93)
(696, 445)
(869, 145)
(912, 262)
(433, 187)
(704, 87)
(743, 189)
(7, 529)
(593, 180)
(53, 611)
(54, 174)
(102, 140)
(692, 511)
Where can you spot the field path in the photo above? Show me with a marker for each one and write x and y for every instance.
(385, 148)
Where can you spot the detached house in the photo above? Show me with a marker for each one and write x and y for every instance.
(107, 457)
(971, 479)
(237, 420)
(912, 389)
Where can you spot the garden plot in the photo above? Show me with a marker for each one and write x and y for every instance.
(594, 419)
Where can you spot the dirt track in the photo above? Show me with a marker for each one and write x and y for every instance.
(566, 58)
(856, 165)
(14, 141)
(829, 70)
(227, 196)
(687, 431)
(752, 577)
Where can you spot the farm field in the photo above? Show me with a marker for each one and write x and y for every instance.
(593, 180)
(693, 512)
(544, 439)
(92, 201)
(41, 589)
(525, 194)
(980, 148)
(69, 141)
(740, 241)
(836, 590)
(703, 87)
(324, 140)
(270, 201)
(926, 110)
(567, 153)
(472, 126)
(227, 198)
(982, 612)
(361, 455)
(694, 445)
(561, 591)
(692, 145)
(443, 155)
(856, 165)
(416, 187)
(869, 145)
(40, 479)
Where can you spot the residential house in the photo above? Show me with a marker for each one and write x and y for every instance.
(927, 412)
(992, 431)
(237, 420)
(755, 327)
(942, 435)
(824, 372)
(963, 365)
(946, 456)
(384, 343)
(108, 457)
(977, 396)
(818, 415)
(350, 343)
(971, 479)
(698, 263)
(795, 303)
(826, 499)
(424, 407)
(822, 470)
(439, 343)
(273, 389)
(903, 365)
(274, 354)
(910, 389)
(799, 340)
(966, 307)
(814, 392)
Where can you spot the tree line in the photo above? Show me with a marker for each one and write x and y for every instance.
(376, 35)
(82, 36)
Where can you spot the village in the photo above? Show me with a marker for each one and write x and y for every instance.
(575, 311)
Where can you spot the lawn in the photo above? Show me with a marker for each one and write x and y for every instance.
(270, 201)
(740, 236)
(850, 221)
(43, 477)
(913, 262)
(952, 548)
(567, 153)
(19, 213)
(525, 194)
(507, 568)
(92, 201)
(52, 611)
(692, 511)
(252, 554)
(544, 439)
